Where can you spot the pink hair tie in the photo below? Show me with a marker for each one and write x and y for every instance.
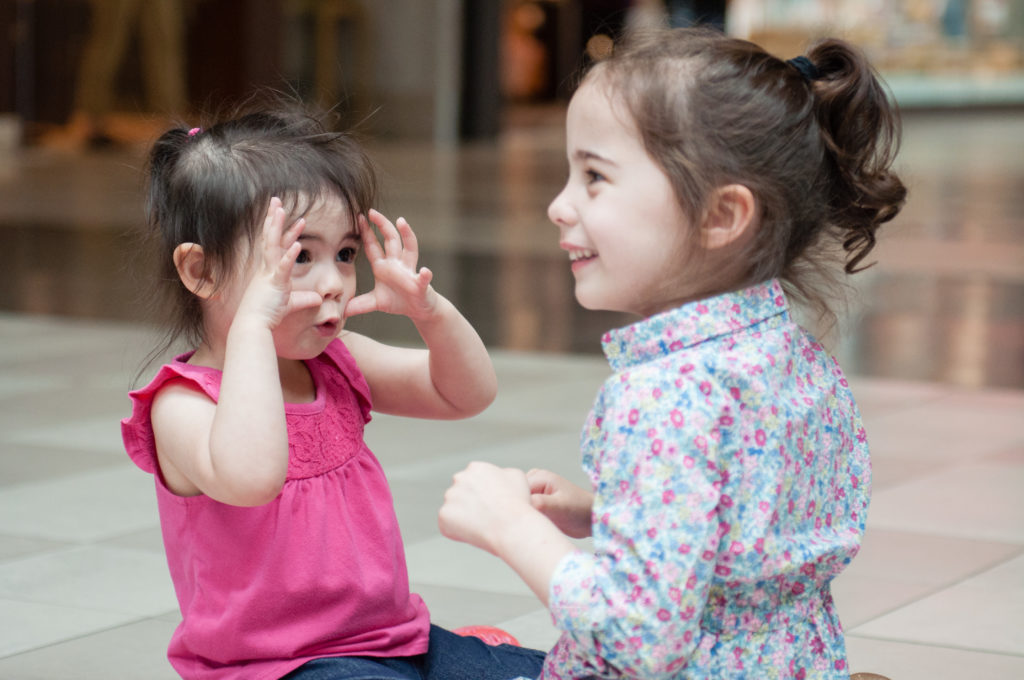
(194, 131)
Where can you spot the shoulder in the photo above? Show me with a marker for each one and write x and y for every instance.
(340, 359)
(176, 385)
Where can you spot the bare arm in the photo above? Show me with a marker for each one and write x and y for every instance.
(236, 450)
(453, 377)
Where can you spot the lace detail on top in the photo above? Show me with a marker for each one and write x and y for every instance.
(321, 440)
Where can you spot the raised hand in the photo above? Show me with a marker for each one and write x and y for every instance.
(398, 287)
(269, 295)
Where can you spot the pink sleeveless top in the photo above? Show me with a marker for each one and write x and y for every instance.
(319, 571)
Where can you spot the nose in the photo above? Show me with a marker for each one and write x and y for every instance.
(560, 211)
(329, 283)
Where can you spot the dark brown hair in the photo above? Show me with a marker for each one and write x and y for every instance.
(212, 186)
(817, 154)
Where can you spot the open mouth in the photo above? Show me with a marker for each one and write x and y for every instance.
(328, 328)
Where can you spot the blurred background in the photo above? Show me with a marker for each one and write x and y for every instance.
(462, 102)
(462, 105)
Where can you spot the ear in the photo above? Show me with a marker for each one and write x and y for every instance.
(189, 260)
(731, 217)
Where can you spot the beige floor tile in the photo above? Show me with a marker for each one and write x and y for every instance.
(26, 626)
(103, 579)
(982, 613)
(907, 661)
(82, 508)
(978, 501)
(133, 651)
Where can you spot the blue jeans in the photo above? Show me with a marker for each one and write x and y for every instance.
(449, 657)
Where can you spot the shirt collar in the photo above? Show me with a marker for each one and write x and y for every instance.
(692, 324)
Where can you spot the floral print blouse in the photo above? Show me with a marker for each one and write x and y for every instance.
(731, 479)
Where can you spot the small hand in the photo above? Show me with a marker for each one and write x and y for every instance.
(482, 500)
(269, 294)
(398, 287)
(567, 505)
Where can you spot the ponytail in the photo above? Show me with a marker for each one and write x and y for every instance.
(861, 132)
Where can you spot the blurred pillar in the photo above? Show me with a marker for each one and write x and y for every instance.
(481, 72)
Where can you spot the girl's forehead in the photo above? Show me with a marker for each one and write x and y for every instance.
(598, 116)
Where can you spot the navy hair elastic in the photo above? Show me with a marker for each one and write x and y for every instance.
(805, 66)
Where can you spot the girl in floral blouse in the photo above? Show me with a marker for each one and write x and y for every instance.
(709, 182)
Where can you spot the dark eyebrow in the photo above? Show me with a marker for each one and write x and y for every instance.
(353, 235)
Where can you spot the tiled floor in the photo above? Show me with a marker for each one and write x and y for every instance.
(935, 340)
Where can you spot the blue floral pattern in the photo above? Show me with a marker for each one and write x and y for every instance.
(731, 479)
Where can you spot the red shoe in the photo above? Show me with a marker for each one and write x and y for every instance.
(489, 634)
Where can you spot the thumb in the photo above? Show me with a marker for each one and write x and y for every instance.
(361, 304)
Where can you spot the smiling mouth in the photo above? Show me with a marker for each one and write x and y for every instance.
(581, 255)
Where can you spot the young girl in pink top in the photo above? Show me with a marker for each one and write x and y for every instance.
(708, 183)
(278, 523)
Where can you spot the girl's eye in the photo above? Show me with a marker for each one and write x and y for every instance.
(303, 257)
(593, 176)
(347, 255)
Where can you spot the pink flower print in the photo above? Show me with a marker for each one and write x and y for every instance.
(840, 664)
(691, 582)
(736, 548)
(652, 533)
(688, 462)
(759, 546)
(726, 501)
(668, 496)
(634, 416)
(664, 615)
(725, 421)
(656, 447)
(708, 555)
(722, 570)
(705, 388)
(798, 588)
(656, 393)
(702, 308)
(686, 368)
(687, 614)
(677, 417)
(760, 437)
(675, 595)
(735, 392)
(808, 570)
